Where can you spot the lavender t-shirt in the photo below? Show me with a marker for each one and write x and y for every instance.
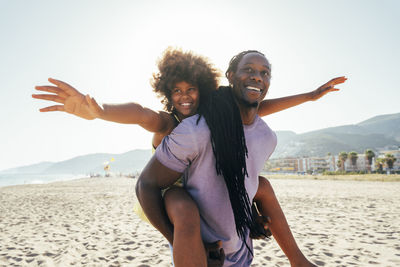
(188, 149)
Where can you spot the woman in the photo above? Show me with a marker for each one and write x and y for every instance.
(183, 81)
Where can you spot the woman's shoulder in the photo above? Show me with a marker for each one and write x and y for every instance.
(168, 123)
(194, 125)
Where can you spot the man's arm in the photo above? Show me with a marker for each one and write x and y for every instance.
(278, 104)
(152, 180)
(74, 102)
(268, 206)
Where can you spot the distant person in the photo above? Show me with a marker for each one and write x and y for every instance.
(184, 81)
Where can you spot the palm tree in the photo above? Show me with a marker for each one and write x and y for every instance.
(353, 158)
(342, 159)
(389, 160)
(379, 165)
(369, 155)
(339, 164)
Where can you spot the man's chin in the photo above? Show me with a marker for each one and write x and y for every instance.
(250, 104)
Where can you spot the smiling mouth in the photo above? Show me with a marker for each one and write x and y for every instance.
(186, 104)
(255, 89)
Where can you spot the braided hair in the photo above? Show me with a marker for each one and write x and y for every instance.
(233, 64)
(222, 116)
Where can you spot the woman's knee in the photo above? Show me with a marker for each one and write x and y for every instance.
(181, 208)
(265, 192)
(263, 183)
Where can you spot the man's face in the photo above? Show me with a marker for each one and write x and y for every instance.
(251, 80)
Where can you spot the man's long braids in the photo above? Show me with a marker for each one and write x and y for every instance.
(222, 116)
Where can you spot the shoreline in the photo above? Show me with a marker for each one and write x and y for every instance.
(353, 177)
(12, 179)
(68, 177)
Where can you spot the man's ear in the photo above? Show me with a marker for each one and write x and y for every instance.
(230, 77)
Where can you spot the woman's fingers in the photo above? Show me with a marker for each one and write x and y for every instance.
(65, 86)
(53, 108)
(54, 98)
(52, 89)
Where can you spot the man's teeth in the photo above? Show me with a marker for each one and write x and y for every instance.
(253, 88)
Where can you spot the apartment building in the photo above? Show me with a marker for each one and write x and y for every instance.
(327, 163)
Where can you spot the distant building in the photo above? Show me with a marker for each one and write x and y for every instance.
(327, 163)
(300, 165)
(282, 165)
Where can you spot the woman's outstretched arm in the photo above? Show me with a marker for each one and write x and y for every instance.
(72, 101)
(278, 104)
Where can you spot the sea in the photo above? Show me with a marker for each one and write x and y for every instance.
(20, 179)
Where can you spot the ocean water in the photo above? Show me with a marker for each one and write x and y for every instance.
(19, 179)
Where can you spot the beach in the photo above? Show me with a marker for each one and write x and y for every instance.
(89, 222)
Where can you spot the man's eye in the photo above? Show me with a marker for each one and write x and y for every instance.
(265, 73)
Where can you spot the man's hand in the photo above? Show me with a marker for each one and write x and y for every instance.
(262, 221)
(327, 87)
(71, 99)
(215, 254)
(263, 229)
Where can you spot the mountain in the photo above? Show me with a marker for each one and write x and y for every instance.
(377, 133)
(129, 162)
(35, 168)
(385, 124)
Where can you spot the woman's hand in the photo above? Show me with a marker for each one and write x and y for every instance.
(71, 99)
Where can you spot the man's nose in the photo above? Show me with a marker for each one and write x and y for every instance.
(256, 76)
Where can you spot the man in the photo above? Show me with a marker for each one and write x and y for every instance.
(222, 158)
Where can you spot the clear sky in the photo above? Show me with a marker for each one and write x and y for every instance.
(109, 49)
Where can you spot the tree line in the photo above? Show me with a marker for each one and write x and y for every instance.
(387, 161)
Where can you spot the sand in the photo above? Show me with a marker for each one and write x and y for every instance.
(89, 222)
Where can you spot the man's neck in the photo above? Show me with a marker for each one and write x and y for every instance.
(248, 114)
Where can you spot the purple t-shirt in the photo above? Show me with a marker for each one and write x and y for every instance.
(188, 149)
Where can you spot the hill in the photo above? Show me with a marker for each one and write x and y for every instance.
(377, 133)
(129, 162)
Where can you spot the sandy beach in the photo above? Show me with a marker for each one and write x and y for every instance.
(89, 222)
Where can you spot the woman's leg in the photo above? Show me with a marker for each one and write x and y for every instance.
(268, 205)
(188, 248)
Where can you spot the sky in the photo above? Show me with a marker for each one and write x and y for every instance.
(109, 49)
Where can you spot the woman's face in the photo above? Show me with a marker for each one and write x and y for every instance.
(185, 99)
